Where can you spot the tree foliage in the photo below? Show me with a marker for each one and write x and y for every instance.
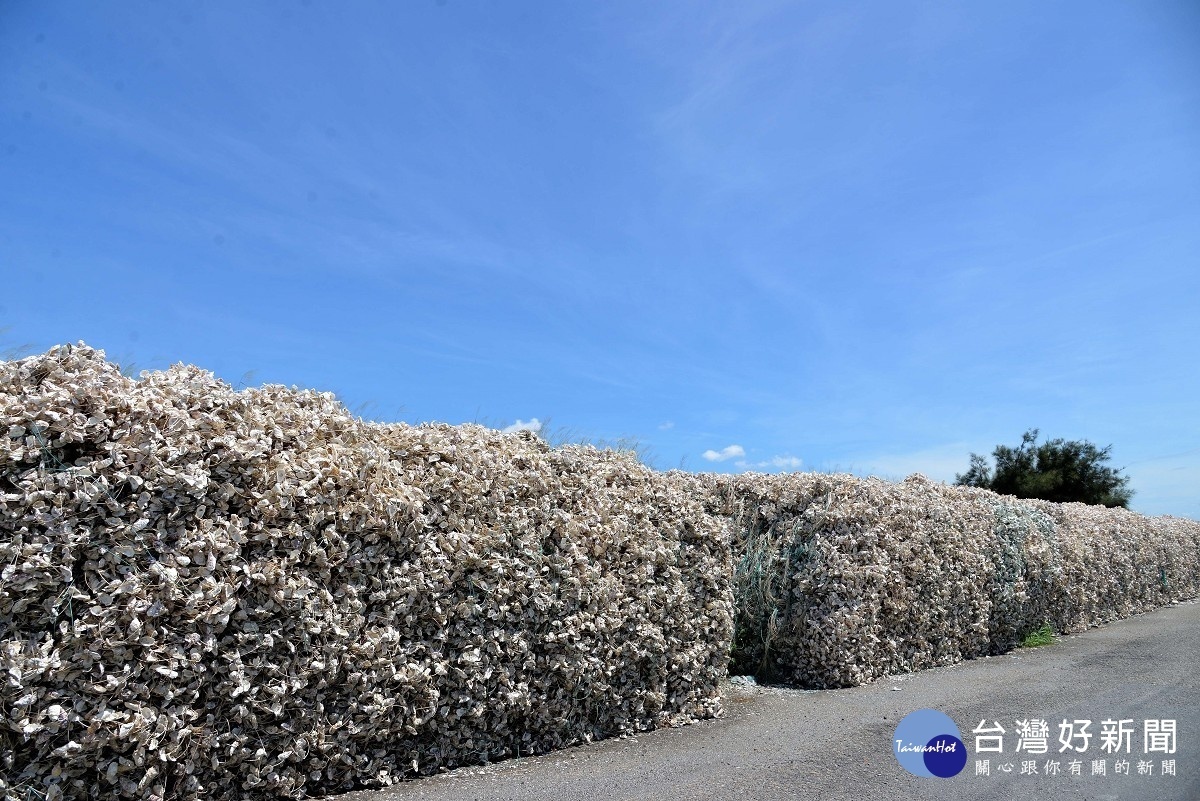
(1055, 470)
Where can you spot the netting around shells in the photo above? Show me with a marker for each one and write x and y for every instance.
(209, 593)
(840, 580)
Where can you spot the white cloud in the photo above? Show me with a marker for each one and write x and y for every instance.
(533, 425)
(730, 452)
(774, 463)
(666, 425)
(784, 462)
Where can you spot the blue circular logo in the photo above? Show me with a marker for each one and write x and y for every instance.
(928, 743)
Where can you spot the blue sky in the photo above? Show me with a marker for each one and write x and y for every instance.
(871, 237)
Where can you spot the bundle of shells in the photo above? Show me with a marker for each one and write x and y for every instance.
(840, 580)
(254, 594)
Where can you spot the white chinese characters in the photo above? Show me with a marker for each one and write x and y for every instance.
(1114, 737)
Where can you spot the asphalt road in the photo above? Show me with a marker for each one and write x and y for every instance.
(775, 744)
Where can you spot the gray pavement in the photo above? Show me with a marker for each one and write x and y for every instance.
(775, 744)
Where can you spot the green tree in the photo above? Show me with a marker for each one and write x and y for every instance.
(1056, 470)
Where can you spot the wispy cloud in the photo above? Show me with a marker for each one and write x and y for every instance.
(534, 425)
(774, 463)
(666, 426)
(728, 452)
(262, 191)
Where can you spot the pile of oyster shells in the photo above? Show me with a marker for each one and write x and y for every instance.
(840, 580)
(210, 593)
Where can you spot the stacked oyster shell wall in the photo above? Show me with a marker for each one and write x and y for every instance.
(840, 580)
(216, 594)
(209, 593)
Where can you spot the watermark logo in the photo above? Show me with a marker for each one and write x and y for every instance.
(1035, 752)
(928, 743)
